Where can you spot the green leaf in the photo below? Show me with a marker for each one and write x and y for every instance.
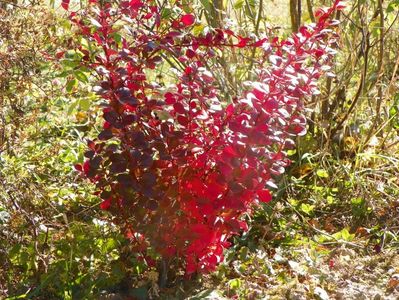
(244, 253)
(81, 76)
(307, 208)
(23, 296)
(198, 29)
(392, 6)
(117, 38)
(84, 104)
(357, 201)
(346, 236)
(14, 251)
(330, 199)
(72, 107)
(239, 4)
(207, 5)
(166, 13)
(235, 283)
(70, 85)
(70, 63)
(63, 74)
(111, 244)
(322, 173)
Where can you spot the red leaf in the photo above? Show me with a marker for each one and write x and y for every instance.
(319, 53)
(259, 43)
(179, 108)
(190, 53)
(264, 196)
(229, 32)
(243, 42)
(60, 54)
(243, 225)
(321, 11)
(214, 190)
(65, 4)
(170, 98)
(188, 70)
(148, 16)
(86, 167)
(196, 185)
(331, 263)
(106, 204)
(182, 120)
(340, 5)
(230, 151)
(129, 234)
(136, 4)
(270, 105)
(193, 105)
(212, 260)
(226, 170)
(188, 19)
(230, 110)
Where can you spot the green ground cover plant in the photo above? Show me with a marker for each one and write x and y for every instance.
(331, 230)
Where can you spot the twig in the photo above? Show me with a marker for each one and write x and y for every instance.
(310, 10)
(376, 120)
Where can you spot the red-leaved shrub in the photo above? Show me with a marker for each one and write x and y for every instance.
(179, 167)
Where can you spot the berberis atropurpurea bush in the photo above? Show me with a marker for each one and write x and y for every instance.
(179, 166)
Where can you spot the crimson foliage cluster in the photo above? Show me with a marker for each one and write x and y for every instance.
(178, 166)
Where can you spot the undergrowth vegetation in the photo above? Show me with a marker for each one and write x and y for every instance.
(333, 224)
